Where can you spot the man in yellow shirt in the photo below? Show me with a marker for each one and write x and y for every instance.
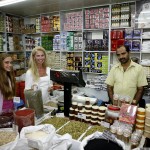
(127, 78)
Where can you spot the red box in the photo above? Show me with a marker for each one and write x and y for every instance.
(120, 42)
(120, 34)
(114, 45)
(114, 34)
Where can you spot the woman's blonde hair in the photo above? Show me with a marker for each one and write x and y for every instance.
(32, 62)
(6, 76)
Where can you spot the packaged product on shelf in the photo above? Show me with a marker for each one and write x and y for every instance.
(128, 33)
(136, 45)
(136, 34)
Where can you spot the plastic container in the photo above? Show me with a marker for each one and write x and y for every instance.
(120, 133)
(72, 111)
(134, 145)
(126, 135)
(147, 127)
(95, 108)
(88, 107)
(127, 99)
(121, 101)
(23, 118)
(113, 129)
(71, 116)
(141, 111)
(112, 114)
(74, 105)
(80, 106)
(102, 109)
(5, 122)
(115, 99)
(147, 120)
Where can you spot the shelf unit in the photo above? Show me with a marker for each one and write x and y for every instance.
(83, 31)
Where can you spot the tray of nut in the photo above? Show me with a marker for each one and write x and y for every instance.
(57, 122)
(8, 138)
(74, 128)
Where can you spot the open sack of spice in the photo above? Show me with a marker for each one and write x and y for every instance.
(8, 139)
(99, 140)
(39, 137)
(63, 142)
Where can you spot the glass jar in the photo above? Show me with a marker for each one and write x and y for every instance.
(87, 102)
(119, 133)
(121, 101)
(126, 135)
(115, 99)
(74, 105)
(72, 111)
(134, 145)
(102, 109)
(88, 107)
(80, 106)
(71, 116)
(127, 99)
(113, 129)
(112, 113)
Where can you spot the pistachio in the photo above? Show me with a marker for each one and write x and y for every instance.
(57, 122)
(94, 129)
(74, 128)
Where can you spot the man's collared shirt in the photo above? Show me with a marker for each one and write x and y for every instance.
(125, 83)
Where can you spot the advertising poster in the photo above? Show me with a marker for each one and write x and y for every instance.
(142, 14)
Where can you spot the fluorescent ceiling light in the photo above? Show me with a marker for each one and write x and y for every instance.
(9, 2)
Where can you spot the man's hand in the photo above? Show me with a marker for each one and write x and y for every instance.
(110, 92)
(138, 95)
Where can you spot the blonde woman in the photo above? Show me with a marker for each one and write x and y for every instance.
(38, 73)
(7, 84)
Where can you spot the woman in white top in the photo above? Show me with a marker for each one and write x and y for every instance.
(38, 73)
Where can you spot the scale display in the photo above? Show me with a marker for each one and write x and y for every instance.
(67, 78)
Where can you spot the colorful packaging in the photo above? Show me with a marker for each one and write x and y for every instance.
(128, 113)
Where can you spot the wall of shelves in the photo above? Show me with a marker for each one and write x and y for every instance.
(85, 32)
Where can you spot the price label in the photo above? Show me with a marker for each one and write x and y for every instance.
(16, 99)
(60, 115)
(105, 124)
(82, 116)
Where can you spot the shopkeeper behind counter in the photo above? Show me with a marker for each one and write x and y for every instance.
(126, 78)
(38, 73)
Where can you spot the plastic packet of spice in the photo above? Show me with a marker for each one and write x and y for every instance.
(34, 101)
(128, 113)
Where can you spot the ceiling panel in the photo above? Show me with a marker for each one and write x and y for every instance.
(33, 7)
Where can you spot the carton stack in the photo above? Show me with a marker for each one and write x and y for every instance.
(147, 123)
